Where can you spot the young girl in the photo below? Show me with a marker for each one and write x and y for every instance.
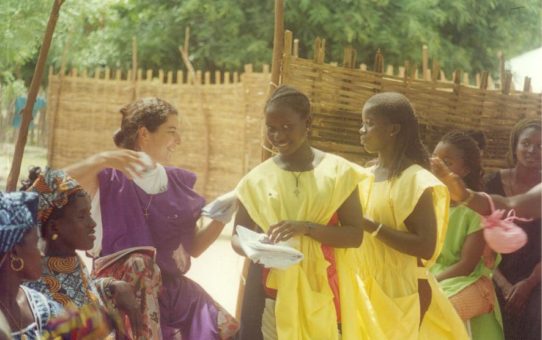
(408, 207)
(460, 264)
(311, 198)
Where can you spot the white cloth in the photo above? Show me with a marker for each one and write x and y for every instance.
(222, 208)
(257, 247)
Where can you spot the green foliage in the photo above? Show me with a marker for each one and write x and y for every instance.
(461, 34)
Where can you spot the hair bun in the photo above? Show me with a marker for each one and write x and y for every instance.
(118, 138)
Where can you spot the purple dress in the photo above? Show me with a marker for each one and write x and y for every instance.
(132, 218)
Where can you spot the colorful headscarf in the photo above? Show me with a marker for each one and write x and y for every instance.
(17, 215)
(54, 188)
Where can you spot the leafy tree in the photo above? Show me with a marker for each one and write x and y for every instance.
(461, 34)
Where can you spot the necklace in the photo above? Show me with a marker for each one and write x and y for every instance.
(296, 176)
(20, 323)
(146, 211)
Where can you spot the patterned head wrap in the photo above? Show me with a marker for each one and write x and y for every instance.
(17, 215)
(54, 188)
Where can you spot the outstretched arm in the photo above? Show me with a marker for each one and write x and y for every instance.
(525, 205)
(86, 171)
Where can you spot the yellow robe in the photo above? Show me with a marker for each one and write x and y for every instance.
(391, 277)
(304, 305)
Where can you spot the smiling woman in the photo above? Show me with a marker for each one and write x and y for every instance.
(130, 216)
(310, 199)
(66, 226)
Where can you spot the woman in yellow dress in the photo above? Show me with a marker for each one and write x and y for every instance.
(409, 207)
(311, 199)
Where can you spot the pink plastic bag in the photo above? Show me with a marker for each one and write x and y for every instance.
(501, 233)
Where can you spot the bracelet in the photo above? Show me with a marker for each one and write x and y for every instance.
(377, 230)
(469, 198)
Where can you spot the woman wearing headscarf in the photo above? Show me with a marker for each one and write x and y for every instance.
(26, 310)
(66, 226)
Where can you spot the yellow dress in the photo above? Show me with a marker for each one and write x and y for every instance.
(304, 306)
(391, 277)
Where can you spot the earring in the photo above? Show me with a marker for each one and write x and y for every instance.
(14, 261)
(54, 237)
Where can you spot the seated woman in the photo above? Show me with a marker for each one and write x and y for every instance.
(26, 310)
(66, 226)
(132, 216)
(460, 266)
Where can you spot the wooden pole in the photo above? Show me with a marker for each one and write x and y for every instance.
(31, 98)
(278, 48)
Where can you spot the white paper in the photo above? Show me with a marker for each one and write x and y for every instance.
(272, 255)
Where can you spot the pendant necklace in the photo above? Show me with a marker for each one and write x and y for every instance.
(146, 211)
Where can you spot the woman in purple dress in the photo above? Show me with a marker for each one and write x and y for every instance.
(159, 212)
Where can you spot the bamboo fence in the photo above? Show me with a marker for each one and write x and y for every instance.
(220, 118)
(221, 113)
(338, 93)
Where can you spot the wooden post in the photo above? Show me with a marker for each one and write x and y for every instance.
(379, 62)
(527, 85)
(502, 72)
(31, 98)
(135, 74)
(425, 63)
(278, 48)
(296, 47)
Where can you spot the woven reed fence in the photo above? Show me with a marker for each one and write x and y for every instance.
(220, 118)
(338, 93)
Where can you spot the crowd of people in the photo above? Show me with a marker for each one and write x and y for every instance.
(395, 249)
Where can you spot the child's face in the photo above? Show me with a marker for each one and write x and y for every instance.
(452, 157)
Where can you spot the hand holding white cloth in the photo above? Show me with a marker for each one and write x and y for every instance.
(153, 178)
(222, 208)
(271, 255)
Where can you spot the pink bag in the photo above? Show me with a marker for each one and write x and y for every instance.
(501, 233)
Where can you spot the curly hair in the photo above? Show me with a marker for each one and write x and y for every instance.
(146, 112)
